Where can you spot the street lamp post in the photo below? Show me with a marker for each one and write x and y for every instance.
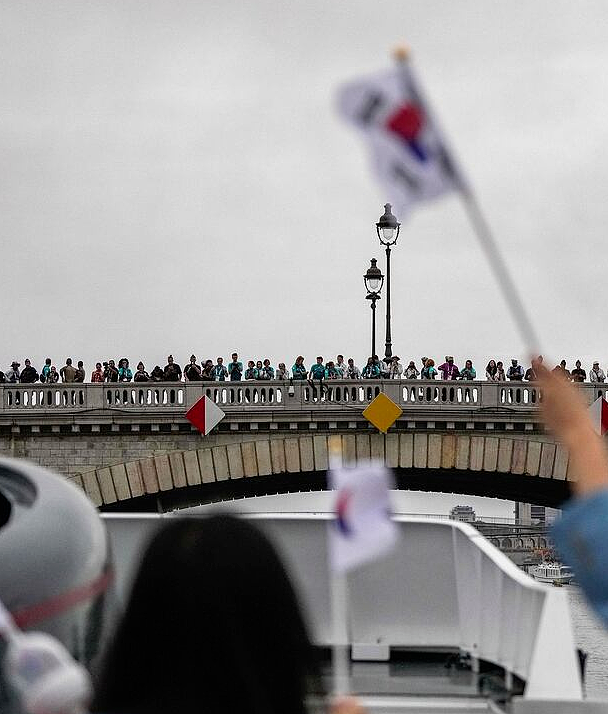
(373, 281)
(387, 229)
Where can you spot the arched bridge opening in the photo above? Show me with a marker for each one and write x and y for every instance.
(533, 470)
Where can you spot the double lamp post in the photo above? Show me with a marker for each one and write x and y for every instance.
(387, 229)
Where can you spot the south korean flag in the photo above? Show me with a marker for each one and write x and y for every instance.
(407, 151)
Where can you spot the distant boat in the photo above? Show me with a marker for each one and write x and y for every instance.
(552, 572)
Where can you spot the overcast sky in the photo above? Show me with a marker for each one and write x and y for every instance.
(176, 179)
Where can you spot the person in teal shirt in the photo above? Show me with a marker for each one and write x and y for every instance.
(371, 369)
(251, 372)
(235, 368)
(332, 372)
(317, 371)
(124, 371)
(468, 372)
(299, 370)
(267, 370)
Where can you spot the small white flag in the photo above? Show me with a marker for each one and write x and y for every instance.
(408, 154)
(362, 529)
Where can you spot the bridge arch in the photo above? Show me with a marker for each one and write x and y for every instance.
(532, 469)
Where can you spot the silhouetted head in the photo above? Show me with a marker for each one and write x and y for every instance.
(212, 625)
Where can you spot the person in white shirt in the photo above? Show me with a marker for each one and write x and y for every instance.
(395, 370)
(352, 371)
(596, 374)
(340, 366)
(282, 372)
(411, 372)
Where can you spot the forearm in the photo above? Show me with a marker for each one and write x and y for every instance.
(588, 459)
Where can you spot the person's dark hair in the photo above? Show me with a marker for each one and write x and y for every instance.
(212, 625)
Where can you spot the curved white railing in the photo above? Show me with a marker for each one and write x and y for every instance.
(443, 587)
(297, 395)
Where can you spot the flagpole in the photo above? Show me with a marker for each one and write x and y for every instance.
(339, 599)
(480, 225)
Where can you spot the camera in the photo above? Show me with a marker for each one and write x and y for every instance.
(105, 364)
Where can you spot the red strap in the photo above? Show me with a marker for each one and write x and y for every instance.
(32, 614)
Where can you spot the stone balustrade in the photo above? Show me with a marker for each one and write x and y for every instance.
(243, 397)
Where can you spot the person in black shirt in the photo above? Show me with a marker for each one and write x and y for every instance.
(192, 372)
(515, 372)
(173, 372)
(532, 372)
(141, 375)
(578, 374)
(110, 373)
(157, 374)
(28, 373)
(80, 374)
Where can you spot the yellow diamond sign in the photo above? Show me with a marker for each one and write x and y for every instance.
(382, 412)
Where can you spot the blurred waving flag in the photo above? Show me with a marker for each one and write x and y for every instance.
(362, 529)
(408, 154)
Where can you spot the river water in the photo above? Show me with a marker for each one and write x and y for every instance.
(592, 637)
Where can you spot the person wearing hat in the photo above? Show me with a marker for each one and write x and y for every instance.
(596, 374)
(395, 370)
(12, 374)
(448, 369)
(515, 373)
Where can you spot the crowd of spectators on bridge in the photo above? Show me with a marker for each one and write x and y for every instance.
(235, 370)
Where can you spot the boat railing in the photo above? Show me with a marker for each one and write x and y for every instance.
(445, 587)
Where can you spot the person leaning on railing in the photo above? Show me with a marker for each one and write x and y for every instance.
(468, 371)
(299, 370)
(395, 370)
(371, 370)
(192, 372)
(428, 370)
(411, 371)
(596, 374)
(141, 375)
(331, 372)
(267, 369)
(282, 372)
(352, 371)
(97, 374)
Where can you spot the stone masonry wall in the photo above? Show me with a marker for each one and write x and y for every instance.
(71, 454)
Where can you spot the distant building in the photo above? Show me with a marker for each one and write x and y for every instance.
(530, 513)
(466, 514)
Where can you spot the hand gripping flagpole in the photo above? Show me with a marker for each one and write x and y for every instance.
(480, 225)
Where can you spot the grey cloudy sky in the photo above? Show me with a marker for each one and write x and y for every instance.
(175, 178)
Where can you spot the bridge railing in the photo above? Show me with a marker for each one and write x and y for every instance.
(297, 395)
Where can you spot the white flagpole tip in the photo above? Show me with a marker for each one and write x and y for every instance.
(402, 53)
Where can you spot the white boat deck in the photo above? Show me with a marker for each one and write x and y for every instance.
(444, 589)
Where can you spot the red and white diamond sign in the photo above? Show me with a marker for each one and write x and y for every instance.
(598, 412)
(204, 415)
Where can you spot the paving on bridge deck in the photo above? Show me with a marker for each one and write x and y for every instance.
(424, 677)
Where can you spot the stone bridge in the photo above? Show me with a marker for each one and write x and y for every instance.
(130, 447)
